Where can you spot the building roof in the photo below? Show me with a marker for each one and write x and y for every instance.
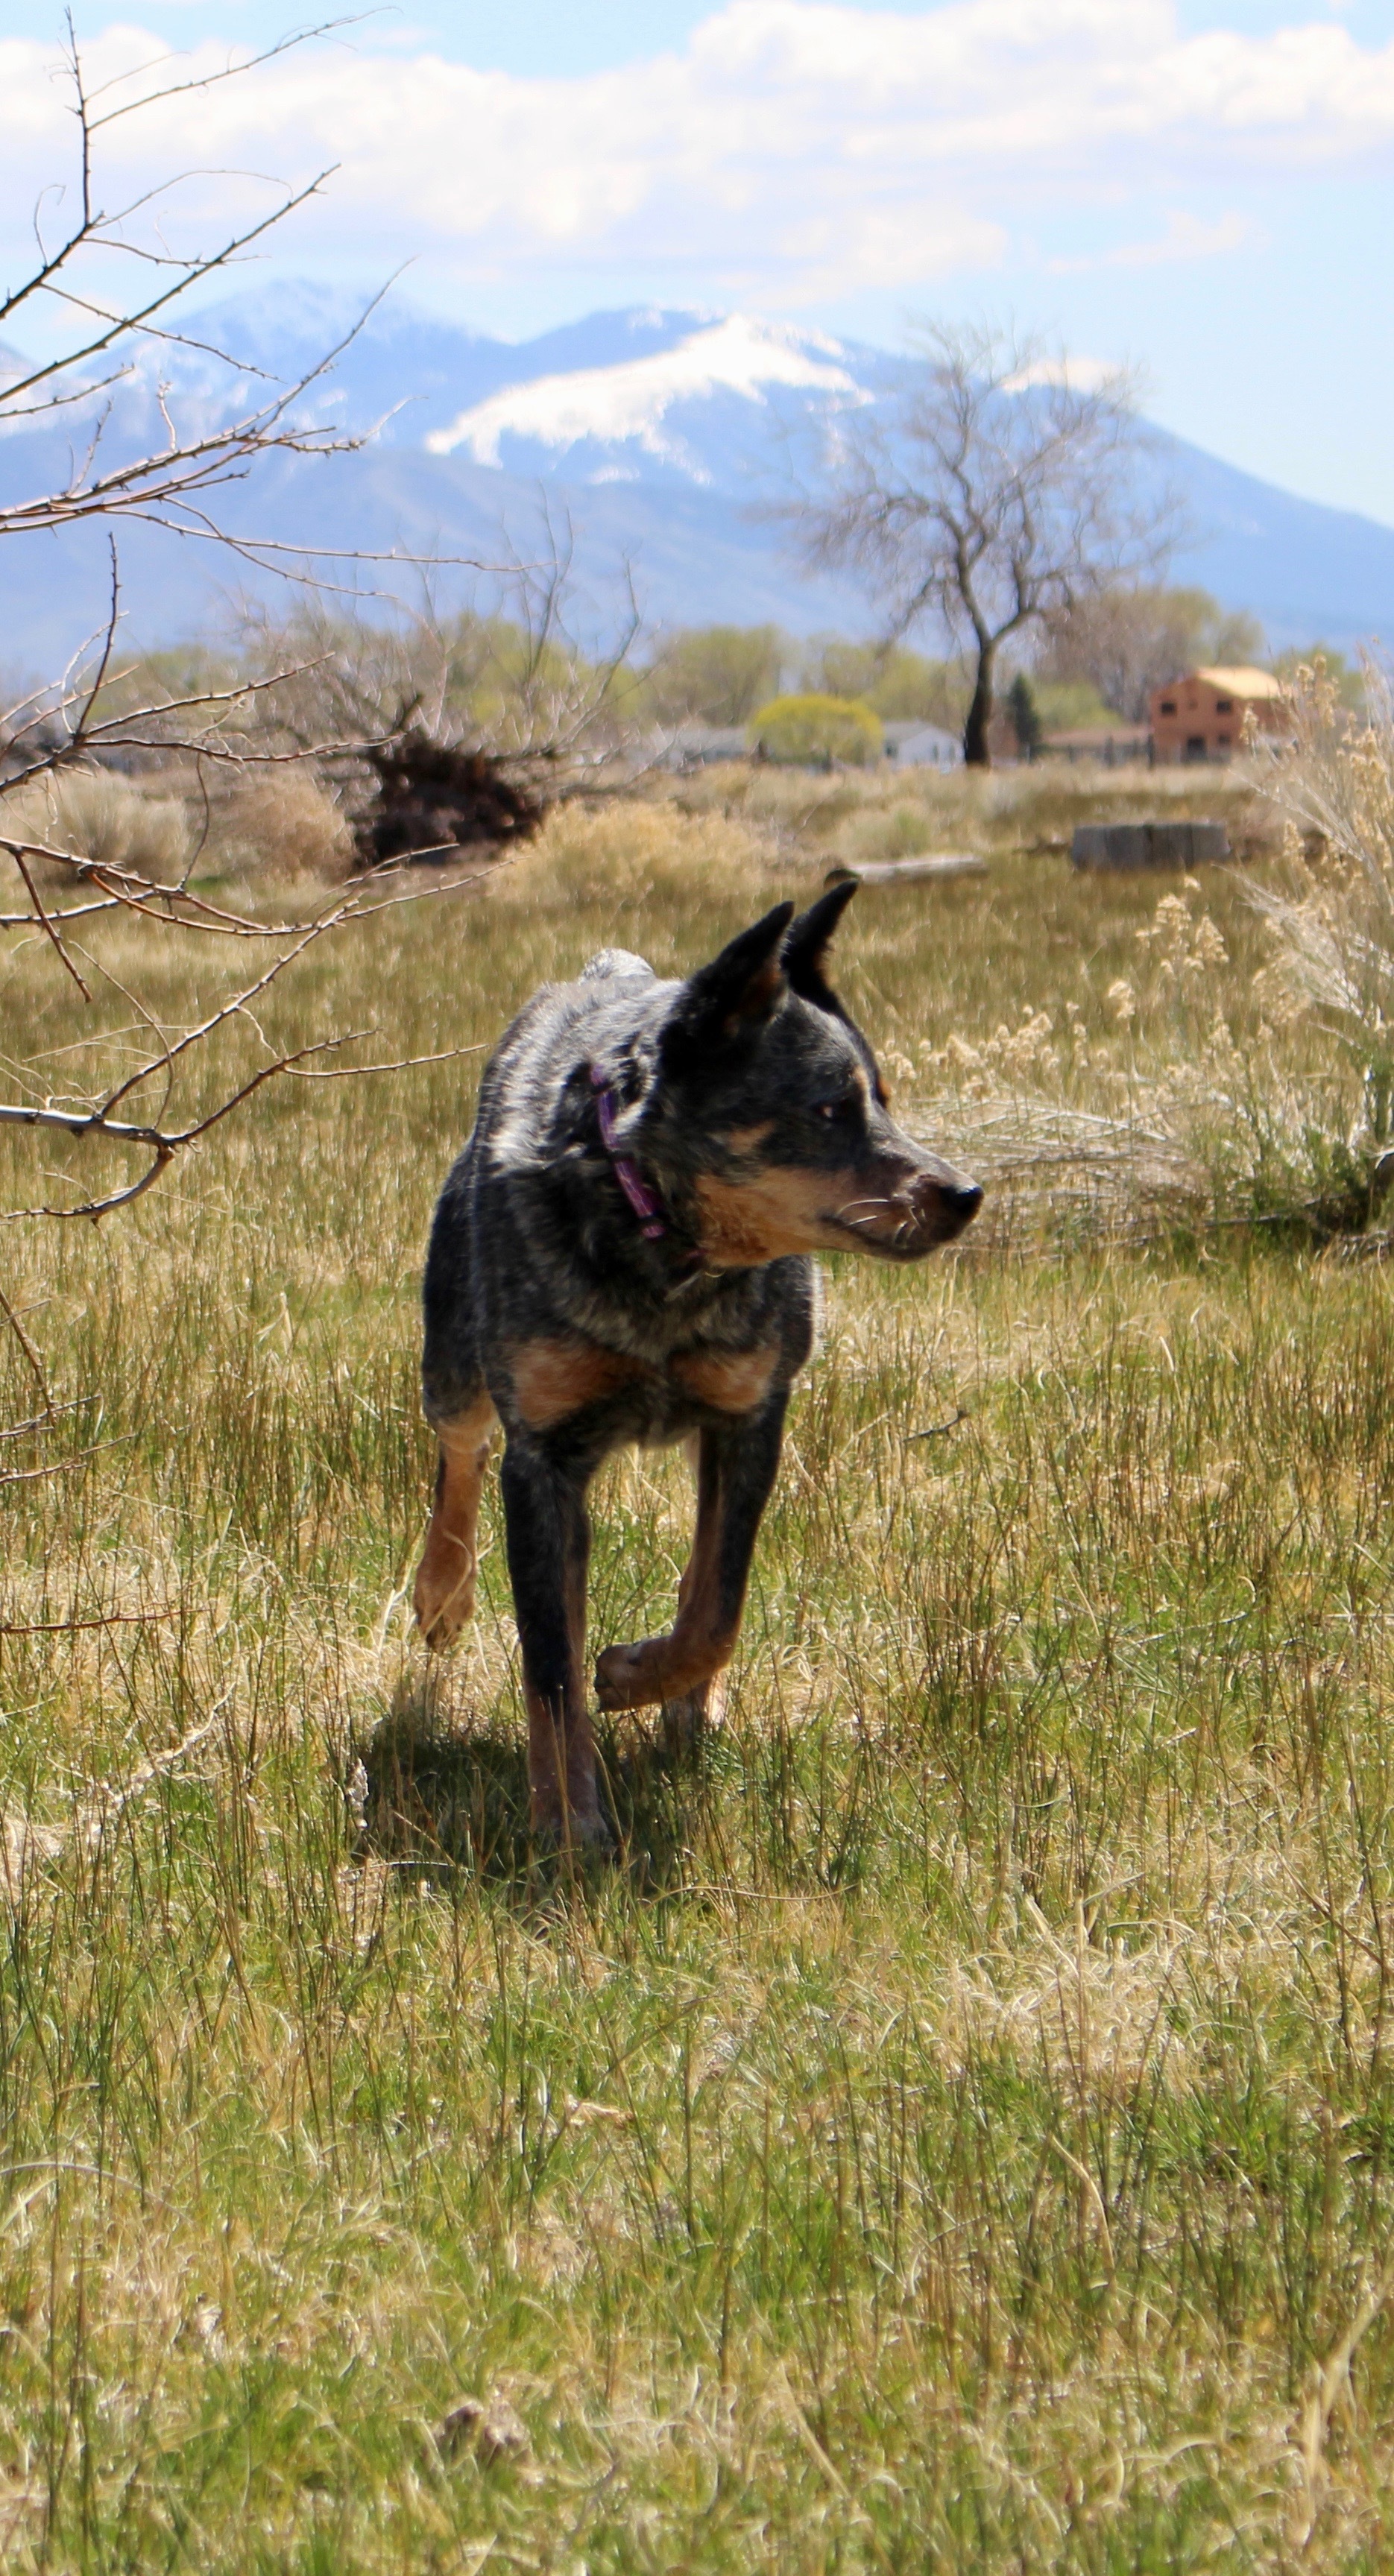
(1241, 681)
(1084, 737)
(902, 729)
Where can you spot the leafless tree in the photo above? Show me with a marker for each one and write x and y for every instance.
(990, 490)
(112, 275)
(103, 289)
(1127, 641)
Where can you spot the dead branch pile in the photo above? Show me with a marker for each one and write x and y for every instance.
(433, 799)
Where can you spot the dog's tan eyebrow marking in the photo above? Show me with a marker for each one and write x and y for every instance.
(743, 1140)
(734, 1381)
(871, 1086)
(553, 1379)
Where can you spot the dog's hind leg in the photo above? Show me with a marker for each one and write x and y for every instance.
(444, 1592)
(736, 1469)
(548, 1554)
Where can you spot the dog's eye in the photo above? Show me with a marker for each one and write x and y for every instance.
(829, 1108)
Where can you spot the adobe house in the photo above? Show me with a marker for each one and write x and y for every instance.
(1202, 716)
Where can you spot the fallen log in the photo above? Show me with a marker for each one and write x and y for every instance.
(954, 863)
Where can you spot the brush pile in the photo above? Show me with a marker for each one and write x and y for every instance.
(433, 799)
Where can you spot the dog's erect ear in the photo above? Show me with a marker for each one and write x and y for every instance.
(808, 942)
(739, 990)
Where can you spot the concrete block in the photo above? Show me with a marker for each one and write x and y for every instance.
(1148, 845)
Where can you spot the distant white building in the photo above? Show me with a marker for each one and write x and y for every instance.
(695, 746)
(914, 745)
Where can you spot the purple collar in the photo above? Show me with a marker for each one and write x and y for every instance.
(645, 1202)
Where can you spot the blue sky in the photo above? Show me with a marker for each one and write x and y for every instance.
(1204, 188)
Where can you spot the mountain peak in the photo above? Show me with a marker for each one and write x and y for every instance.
(653, 427)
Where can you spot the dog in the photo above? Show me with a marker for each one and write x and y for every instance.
(622, 1254)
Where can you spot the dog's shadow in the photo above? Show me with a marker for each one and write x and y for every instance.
(442, 1790)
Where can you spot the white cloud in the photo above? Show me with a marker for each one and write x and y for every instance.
(1185, 237)
(792, 150)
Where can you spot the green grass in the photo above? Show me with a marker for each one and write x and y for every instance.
(959, 2130)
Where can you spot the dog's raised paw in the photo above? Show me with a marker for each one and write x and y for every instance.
(629, 1676)
(442, 1621)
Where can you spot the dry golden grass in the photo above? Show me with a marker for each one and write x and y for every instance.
(955, 2133)
(100, 815)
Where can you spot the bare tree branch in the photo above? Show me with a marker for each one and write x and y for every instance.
(86, 726)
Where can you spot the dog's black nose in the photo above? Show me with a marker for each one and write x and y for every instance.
(955, 1203)
(944, 1203)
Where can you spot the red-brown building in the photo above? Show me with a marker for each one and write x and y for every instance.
(1202, 716)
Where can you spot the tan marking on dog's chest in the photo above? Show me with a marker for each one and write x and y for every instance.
(553, 1379)
(733, 1381)
(779, 1211)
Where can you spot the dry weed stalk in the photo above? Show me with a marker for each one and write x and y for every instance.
(1126, 1138)
(1333, 920)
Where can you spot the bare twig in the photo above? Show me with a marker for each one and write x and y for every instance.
(32, 1356)
(73, 1627)
(46, 925)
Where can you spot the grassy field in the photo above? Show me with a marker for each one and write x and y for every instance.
(958, 2131)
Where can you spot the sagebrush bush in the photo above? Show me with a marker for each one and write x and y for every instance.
(1332, 916)
(629, 853)
(281, 824)
(98, 815)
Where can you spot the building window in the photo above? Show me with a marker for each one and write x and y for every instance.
(1167, 707)
(1222, 737)
(1224, 706)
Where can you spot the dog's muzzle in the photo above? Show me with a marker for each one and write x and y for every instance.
(941, 1203)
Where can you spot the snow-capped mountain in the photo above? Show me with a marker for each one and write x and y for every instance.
(651, 431)
(604, 423)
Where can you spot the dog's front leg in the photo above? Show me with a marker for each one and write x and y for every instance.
(735, 1470)
(548, 1536)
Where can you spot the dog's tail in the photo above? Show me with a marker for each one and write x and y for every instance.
(615, 961)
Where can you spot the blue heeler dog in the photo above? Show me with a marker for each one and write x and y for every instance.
(621, 1253)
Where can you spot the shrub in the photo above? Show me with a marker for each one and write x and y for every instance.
(278, 823)
(817, 729)
(626, 853)
(1332, 920)
(98, 815)
(1025, 716)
